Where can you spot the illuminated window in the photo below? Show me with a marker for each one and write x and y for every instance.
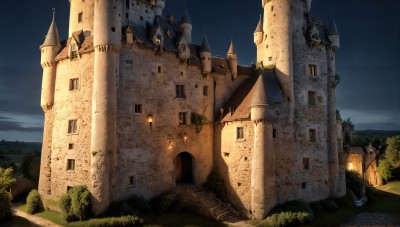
(239, 133)
(73, 84)
(182, 118)
(72, 126)
(70, 164)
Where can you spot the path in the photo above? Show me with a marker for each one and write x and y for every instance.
(373, 219)
(35, 220)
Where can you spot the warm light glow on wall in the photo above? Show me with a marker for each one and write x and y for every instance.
(351, 167)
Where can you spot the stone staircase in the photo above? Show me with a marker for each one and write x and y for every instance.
(208, 204)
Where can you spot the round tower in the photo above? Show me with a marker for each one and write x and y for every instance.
(186, 26)
(263, 186)
(258, 33)
(276, 47)
(81, 17)
(107, 41)
(49, 51)
(333, 35)
(159, 7)
(232, 58)
(205, 55)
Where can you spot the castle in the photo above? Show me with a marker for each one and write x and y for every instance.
(133, 107)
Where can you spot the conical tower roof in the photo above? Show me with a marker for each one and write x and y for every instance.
(185, 18)
(259, 26)
(333, 29)
(231, 49)
(52, 38)
(205, 47)
(267, 91)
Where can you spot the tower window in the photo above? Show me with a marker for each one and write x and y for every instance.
(312, 98)
(312, 70)
(70, 164)
(205, 90)
(113, 29)
(138, 108)
(159, 69)
(70, 146)
(274, 133)
(180, 91)
(303, 185)
(127, 4)
(306, 163)
(129, 64)
(73, 84)
(182, 118)
(312, 134)
(239, 133)
(272, 8)
(132, 181)
(80, 17)
(269, 58)
(72, 126)
(73, 51)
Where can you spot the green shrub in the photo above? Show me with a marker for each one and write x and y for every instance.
(33, 202)
(216, 184)
(329, 205)
(114, 221)
(290, 213)
(5, 205)
(76, 205)
(164, 202)
(355, 183)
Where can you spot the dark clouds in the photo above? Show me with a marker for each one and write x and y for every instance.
(368, 62)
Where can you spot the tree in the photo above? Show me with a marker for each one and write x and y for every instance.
(6, 180)
(391, 161)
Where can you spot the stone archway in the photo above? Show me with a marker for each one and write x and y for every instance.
(183, 168)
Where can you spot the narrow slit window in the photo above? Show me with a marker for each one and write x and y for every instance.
(182, 118)
(74, 84)
(70, 164)
(72, 126)
(306, 163)
(312, 70)
(312, 135)
(312, 98)
(180, 91)
(205, 90)
(239, 133)
(80, 17)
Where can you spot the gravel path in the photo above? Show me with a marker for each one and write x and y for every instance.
(373, 219)
(35, 221)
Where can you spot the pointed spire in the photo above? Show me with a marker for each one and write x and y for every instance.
(185, 18)
(52, 38)
(259, 26)
(231, 48)
(333, 29)
(205, 47)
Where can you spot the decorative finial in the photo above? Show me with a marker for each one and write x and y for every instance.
(54, 12)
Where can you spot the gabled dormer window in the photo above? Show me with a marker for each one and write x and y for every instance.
(73, 51)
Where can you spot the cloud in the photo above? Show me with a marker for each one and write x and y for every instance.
(6, 126)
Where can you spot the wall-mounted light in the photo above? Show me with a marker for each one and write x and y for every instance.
(169, 140)
(184, 136)
(150, 120)
(351, 166)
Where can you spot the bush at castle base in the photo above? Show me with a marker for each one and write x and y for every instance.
(291, 213)
(5, 207)
(33, 202)
(76, 205)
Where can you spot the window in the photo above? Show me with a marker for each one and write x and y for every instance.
(269, 58)
(312, 98)
(138, 108)
(70, 164)
(129, 64)
(205, 90)
(306, 163)
(73, 51)
(182, 118)
(239, 133)
(272, 8)
(80, 17)
(312, 135)
(70, 146)
(127, 4)
(274, 133)
(113, 29)
(159, 70)
(180, 91)
(132, 181)
(312, 70)
(69, 188)
(72, 126)
(303, 185)
(73, 84)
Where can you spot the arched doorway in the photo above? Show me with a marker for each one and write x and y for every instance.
(183, 168)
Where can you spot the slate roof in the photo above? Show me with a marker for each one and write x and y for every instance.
(333, 29)
(205, 46)
(52, 38)
(259, 27)
(231, 49)
(323, 30)
(185, 18)
(262, 88)
(85, 47)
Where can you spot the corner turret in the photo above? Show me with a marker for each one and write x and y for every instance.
(49, 50)
(232, 58)
(333, 35)
(159, 7)
(186, 26)
(259, 33)
(205, 55)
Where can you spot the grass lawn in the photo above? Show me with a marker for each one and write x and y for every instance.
(16, 221)
(387, 201)
(49, 215)
(179, 220)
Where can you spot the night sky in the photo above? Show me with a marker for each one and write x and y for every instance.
(368, 61)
